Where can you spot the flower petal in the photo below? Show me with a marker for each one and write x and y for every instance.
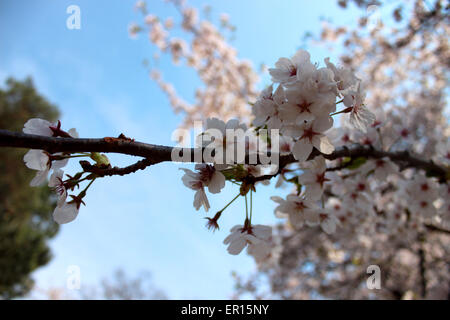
(301, 150)
(65, 213)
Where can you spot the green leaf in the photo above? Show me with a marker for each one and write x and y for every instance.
(100, 159)
(356, 163)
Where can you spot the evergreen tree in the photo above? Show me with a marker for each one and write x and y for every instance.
(25, 213)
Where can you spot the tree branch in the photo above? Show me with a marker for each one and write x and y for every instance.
(437, 229)
(114, 171)
(156, 153)
(422, 270)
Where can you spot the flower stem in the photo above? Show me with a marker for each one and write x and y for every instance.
(223, 209)
(87, 187)
(380, 137)
(251, 204)
(77, 156)
(246, 208)
(346, 110)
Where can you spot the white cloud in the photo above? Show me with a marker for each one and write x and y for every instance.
(22, 67)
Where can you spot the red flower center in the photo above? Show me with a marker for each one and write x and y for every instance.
(300, 205)
(379, 163)
(293, 71)
(321, 179)
(404, 133)
(304, 106)
(309, 133)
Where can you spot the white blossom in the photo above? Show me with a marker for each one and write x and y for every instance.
(443, 152)
(310, 134)
(266, 108)
(360, 117)
(285, 70)
(344, 77)
(217, 136)
(381, 168)
(306, 105)
(46, 128)
(242, 236)
(260, 251)
(206, 176)
(286, 144)
(65, 212)
(328, 221)
(313, 178)
(39, 127)
(298, 209)
(56, 182)
(40, 160)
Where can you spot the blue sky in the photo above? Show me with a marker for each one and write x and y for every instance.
(144, 221)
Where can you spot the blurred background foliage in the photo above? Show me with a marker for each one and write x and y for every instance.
(26, 223)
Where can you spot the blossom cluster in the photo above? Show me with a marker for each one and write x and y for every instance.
(390, 213)
(301, 110)
(328, 192)
(381, 210)
(313, 110)
(342, 193)
(43, 162)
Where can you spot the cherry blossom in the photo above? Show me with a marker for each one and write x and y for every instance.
(298, 209)
(260, 251)
(218, 129)
(66, 212)
(367, 164)
(443, 152)
(56, 182)
(46, 128)
(286, 145)
(444, 205)
(253, 236)
(42, 162)
(311, 134)
(39, 127)
(217, 136)
(360, 116)
(313, 178)
(207, 176)
(303, 105)
(344, 77)
(381, 168)
(328, 221)
(288, 71)
(266, 109)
